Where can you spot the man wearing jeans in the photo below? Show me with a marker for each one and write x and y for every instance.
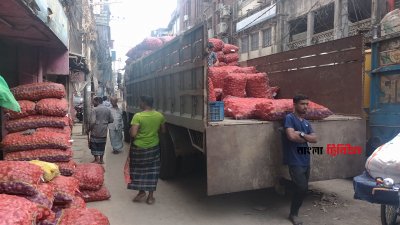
(298, 133)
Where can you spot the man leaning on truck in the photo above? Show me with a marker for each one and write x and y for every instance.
(298, 133)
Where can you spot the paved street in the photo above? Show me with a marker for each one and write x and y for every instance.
(183, 201)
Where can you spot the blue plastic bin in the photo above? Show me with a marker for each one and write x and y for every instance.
(216, 111)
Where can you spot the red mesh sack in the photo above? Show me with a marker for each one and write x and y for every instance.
(36, 140)
(233, 64)
(278, 108)
(274, 109)
(317, 112)
(127, 175)
(231, 57)
(28, 108)
(166, 39)
(77, 203)
(52, 107)
(220, 56)
(218, 44)
(250, 69)
(66, 130)
(257, 86)
(235, 85)
(273, 91)
(44, 196)
(228, 48)
(211, 93)
(47, 155)
(33, 122)
(90, 176)
(217, 75)
(241, 108)
(65, 188)
(38, 91)
(220, 64)
(19, 177)
(218, 94)
(66, 168)
(100, 195)
(52, 219)
(17, 210)
(44, 200)
(151, 43)
(83, 217)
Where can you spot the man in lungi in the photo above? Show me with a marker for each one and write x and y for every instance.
(144, 154)
(116, 128)
(298, 132)
(100, 117)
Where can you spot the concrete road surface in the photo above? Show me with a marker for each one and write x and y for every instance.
(183, 201)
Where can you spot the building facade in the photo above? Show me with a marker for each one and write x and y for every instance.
(265, 27)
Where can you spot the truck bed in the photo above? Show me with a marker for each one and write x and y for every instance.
(248, 156)
(228, 121)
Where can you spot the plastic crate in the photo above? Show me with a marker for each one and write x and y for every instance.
(216, 111)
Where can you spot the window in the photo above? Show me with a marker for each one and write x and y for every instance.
(359, 10)
(297, 27)
(324, 18)
(245, 44)
(254, 41)
(267, 38)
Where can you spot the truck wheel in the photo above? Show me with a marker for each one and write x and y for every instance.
(168, 158)
(125, 118)
(388, 214)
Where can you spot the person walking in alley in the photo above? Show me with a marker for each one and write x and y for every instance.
(100, 117)
(298, 132)
(144, 154)
(106, 103)
(116, 128)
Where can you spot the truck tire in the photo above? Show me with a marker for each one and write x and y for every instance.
(126, 118)
(388, 214)
(168, 158)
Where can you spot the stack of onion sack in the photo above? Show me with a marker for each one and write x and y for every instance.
(147, 46)
(269, 109)
(91, 182)
(22, 184)
(228, 55)
(42, 130)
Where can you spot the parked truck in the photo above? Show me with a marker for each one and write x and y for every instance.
(246, 154)
(384, 110)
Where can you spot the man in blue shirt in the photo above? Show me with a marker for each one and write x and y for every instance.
(212, 58)
(298, 132)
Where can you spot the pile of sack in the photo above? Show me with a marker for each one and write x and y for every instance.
(228, 55)
(34, 193)
(42, 130)
(246, 92)
(147, 46)
(91, 182)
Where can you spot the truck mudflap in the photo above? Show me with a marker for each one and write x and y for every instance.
(247, 156)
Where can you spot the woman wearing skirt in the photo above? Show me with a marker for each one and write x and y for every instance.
(144, 154)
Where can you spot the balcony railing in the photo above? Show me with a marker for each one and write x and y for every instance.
(359, 26)
(354, 29)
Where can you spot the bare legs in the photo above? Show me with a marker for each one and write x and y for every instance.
(142, 194)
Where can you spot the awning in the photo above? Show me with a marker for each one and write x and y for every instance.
(34, 22)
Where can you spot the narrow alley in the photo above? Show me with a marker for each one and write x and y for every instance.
(183, 200)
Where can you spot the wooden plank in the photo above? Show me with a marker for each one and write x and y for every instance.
(337, 87)
(337, 45)
(317, 60)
